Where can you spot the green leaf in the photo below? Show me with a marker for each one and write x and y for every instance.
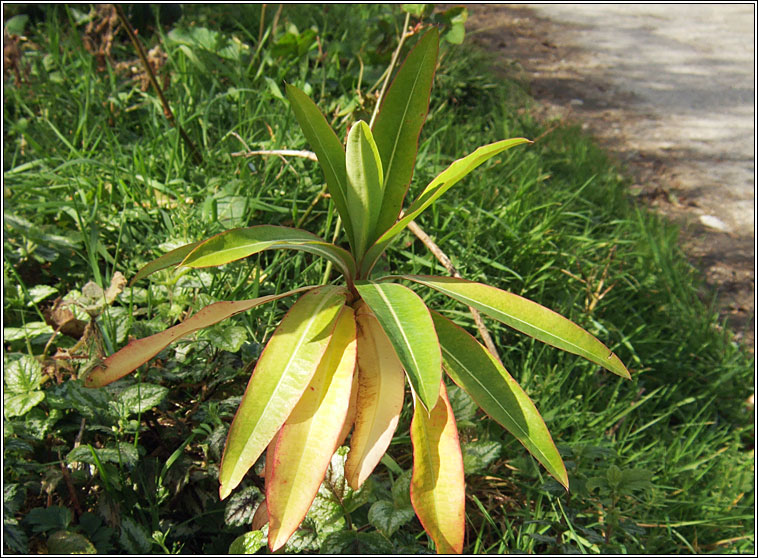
(123, 453)
(387, 518)
(364, 184)
(140, 398)
(68, 542)
(240, 508)
(354, 542)
(406, 321)
(227, 338)
(18, 404)
(52, 518)
(283, 371)
(134, 538)
(328, 149)
(488, 383)
(23, 374)
(239, 243)
(478, 454)
(398, 124)
(35, 332)
(138, 352)
(527, 317)
(441, 184)
(174, 257)
(249, 543)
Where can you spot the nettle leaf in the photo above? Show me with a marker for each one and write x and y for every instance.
(227, 337)
(249, 543)
(139, 398)
(388, 518)
(282, 373)
(122, 453)
(527, 317)
(69, 542)
(406, 320)
(477, 455)
(355, 542)
(52, 518)
(488, 383)
(398, 124)
(241, 507)
(134, 538)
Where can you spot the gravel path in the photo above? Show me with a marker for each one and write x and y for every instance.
(671, 90)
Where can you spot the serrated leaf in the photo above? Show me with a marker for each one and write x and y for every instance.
(14, 537)
(283, 371)
(35, 332)
(13, 497)
(69, 542)
(227, 338)
(18, 404)
(122, 453)
(22, 375)
(309, 437)
(398, 124)
(139, 398)
(354, 543)
(241, 507)
(527, 317)
(490, 385)
(405, 319)
(138, 352)
(477, 455)
(88, 402)
(249, 543)
(52, 518)
(134, 538)
(387, 518)
(437, 485)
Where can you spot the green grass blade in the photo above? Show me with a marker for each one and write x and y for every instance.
(235, 244)
(364, 183)
(282, 373)
(527, 317)
(399, 123)
(441, 184)
(174, 257)
(139, 351)
(408, 324)
(490, 385)
(328, 149)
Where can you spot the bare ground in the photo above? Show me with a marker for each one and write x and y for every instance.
(569, 83)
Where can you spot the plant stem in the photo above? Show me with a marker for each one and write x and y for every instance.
(166, 108)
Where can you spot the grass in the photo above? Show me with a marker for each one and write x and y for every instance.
(97, 182)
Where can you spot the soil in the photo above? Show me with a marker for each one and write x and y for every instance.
(705, 186)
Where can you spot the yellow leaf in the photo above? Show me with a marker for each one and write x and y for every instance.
(438, 489)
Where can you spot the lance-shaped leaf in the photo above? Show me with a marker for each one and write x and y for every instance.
(441, 184)
(352, 410)
(489, 384)
(328, 149)
(235, 244)
(398, 124)
(437, 485)
(283, 371)
(379, 400)
(364, 183)
(306, 442)
(406, 320)
(527, 317)
(138, 352)
(174, 257)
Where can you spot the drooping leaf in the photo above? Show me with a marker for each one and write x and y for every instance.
(328, 149)
(306, 442)
(283, 371)
(398, 124)
(174, 257)
(437, 484)
(406, 320)
(379, 400)
(138, 352)
(364, 184)
(527, 317)
(490, 385)
(441, 184)
(236, 244)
